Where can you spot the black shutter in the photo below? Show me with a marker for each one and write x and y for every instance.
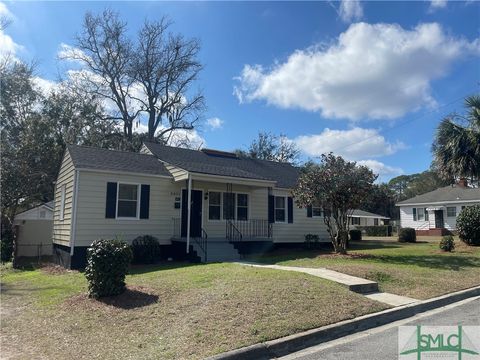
(309, 211)
(271, 209)
(290, 210)
(144, 201)
(111, 204)
(414, 214)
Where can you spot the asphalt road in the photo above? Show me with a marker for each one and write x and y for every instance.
(381, 343)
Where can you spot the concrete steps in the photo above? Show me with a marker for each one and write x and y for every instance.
(217, 251)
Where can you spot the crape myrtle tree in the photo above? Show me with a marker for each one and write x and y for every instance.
(338, 186)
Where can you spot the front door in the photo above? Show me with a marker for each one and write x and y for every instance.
(196, 213)
(439, 219)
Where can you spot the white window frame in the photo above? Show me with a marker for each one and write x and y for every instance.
(63, 190)
(137, 217)
(221, 205)
(423, 214)
(451, 207)
(248, 206)
(352, 219)
(284, 208)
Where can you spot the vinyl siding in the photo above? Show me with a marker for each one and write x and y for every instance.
(450, 223)
(62, 228)
(177, 173)
(34, 238)
(301, 226)
(91, 221)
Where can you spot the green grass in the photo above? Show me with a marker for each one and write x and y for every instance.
(419, 270)
(171, 311)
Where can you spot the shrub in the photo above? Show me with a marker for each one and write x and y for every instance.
(311, 240)
(407, 235)
(107, 265)
(447, 243)
(6, 249)
(146, 249)
(355, 235)
(379, 230)
(468, 225)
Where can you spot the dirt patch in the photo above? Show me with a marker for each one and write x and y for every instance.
(53, 269)
(347, 256)
(133, 297)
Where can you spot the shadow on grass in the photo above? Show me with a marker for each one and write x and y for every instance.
(143, 269)
(438, 262)
(132, 298)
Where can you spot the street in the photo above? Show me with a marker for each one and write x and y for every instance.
(381, 343)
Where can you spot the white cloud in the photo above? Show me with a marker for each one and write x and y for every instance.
(8, 47)
(45, 86)
(4, 11)
(353, 144)
(381, 169)
(437, 4)
(215, 123)
(372, 71)
(350, 10)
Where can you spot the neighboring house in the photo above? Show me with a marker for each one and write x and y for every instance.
(233, 203)
(435, 213)
(365, 218)
(34, 231)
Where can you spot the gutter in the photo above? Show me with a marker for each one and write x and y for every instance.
(74, 214)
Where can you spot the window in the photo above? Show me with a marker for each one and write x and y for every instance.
(214, 205)
(62, 202)
(316, 211)
(355, 220)
(242, 207)
(127, 203)
(420, 214)
(279, 209)
(451, 211)
(228, 206)
(375, 222)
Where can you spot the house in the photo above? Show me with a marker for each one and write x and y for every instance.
(205, 205)
(33, 229)
(365, 218)
(435, 213)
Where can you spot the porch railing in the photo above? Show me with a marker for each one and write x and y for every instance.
(202, 243)
(237, 230)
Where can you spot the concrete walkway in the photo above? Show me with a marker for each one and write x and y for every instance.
(363, 286)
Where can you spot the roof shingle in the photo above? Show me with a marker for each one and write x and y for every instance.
(447, 193)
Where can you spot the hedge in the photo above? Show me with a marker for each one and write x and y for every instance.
(146, 250)
(407, 235)
(379, 230)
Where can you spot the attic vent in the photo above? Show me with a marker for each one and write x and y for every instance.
(219, 153)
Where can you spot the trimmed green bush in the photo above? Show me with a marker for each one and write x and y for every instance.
(311, 240)
(107, 266)
(468, 225)
(145, 249)
(379, 230)
(447, 243)
(407, 235)
(355, 235)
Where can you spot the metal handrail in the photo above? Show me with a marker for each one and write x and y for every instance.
(202, 243)
(232, 233)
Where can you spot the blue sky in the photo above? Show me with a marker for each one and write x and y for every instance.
(367, 80)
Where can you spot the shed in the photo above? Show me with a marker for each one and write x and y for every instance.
(34, 231)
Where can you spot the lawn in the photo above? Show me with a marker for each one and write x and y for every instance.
(420, 270)
(174, 311)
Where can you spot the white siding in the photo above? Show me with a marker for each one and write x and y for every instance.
(91, 221)
(62, 228)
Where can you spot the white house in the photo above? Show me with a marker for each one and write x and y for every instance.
(207, 205)
(365, 218)
(435, 213)
(34, 231)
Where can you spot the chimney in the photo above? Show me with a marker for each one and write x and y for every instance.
(462, 182)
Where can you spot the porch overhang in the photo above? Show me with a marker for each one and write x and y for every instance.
(229, 179)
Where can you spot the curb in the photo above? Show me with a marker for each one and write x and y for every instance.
(292, 343)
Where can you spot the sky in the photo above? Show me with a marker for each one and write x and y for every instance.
(369, 81)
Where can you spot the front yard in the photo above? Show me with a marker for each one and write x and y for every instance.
(420, 270)
(172, 311)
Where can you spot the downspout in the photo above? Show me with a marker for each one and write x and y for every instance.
(189, 209)
(74, 215)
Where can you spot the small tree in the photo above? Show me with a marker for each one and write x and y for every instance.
(468, 225)
(338, 186)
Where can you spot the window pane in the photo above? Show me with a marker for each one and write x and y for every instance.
(242, 213)
(242, 199)
(228, 206)
(420, 213)
(280, 215)
(451, 211)
(127, 191)
(316, 211)
(214, 198)
(280, 202)
(214, 212)
(127, 208)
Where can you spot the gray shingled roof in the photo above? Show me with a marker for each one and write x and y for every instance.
(447, 193)
(362, 213)
(284, 174)
(85, 157)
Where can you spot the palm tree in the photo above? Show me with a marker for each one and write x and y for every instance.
(456, 148)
